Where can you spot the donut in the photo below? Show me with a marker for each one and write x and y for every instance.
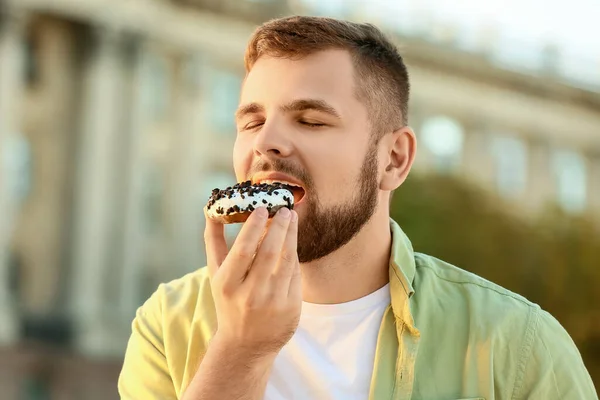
(235, 203)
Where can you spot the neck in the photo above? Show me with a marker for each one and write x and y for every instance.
(353, 271)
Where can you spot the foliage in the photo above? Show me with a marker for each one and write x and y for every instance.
(553, 261)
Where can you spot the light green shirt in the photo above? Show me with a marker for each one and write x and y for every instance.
(447, 335)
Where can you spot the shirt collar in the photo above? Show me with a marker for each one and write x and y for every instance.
(402, 273)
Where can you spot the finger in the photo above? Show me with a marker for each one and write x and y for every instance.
(269, 251)
(244, 248)
(295, 289)
(216, 246)
(288, 258)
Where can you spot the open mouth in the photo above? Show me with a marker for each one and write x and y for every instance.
(297, 191)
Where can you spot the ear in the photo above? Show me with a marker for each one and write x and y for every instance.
(401, 149)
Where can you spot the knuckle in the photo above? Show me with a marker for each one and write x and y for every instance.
(270, 298)
(228, 291)
(296, 273)
(251, 303)
(245, 251)
(269, 255)
(287, 256)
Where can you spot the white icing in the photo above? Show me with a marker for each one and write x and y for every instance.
(236, 200)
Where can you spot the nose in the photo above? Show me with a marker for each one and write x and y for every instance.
(271, 141)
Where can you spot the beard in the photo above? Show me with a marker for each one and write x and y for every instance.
(324, 230)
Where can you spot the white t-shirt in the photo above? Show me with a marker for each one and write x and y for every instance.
(331, 355)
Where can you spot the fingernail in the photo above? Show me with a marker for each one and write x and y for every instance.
(284, 212)
(261, 213)
(294, 216)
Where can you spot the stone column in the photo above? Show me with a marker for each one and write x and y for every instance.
(189, 145)
(11, 81)
(130, 268)
(541, 183)
(42, 233)
(97, 194)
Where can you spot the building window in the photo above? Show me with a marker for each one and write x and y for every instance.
(444, 138)
(225, 96)
(571, 180)
(153, 190)
(510, 159)
(18, 164)
(15, 271)
(31, 61)
(156, 87)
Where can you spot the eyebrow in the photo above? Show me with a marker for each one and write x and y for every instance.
(296, 105)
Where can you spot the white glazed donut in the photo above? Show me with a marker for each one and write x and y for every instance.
(234, 204)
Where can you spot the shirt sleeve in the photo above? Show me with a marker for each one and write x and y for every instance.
(145, 373)
(553, 368)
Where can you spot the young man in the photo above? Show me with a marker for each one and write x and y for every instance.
(329, 301)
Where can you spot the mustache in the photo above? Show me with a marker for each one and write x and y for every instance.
(282, 166)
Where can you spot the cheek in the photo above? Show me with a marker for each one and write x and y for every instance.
(337, 176)
(242, 159)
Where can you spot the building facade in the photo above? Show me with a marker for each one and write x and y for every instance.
(116, 121)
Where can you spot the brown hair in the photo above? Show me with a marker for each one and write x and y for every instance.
(382, 77)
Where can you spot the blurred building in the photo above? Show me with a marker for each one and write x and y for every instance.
(116, 120)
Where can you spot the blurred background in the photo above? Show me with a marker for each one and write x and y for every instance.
(116, 121)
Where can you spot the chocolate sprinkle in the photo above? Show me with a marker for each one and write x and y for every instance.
(244, 189)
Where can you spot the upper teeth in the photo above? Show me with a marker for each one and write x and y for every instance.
(271, 181)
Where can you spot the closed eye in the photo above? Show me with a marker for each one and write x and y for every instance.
(257, 124)
(252, 125)
(311, 124)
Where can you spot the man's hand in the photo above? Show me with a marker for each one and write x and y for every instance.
(258, 297)
(256, 285)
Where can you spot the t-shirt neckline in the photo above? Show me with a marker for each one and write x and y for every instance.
(376, 298)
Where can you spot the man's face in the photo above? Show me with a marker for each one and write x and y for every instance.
(301, 118)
